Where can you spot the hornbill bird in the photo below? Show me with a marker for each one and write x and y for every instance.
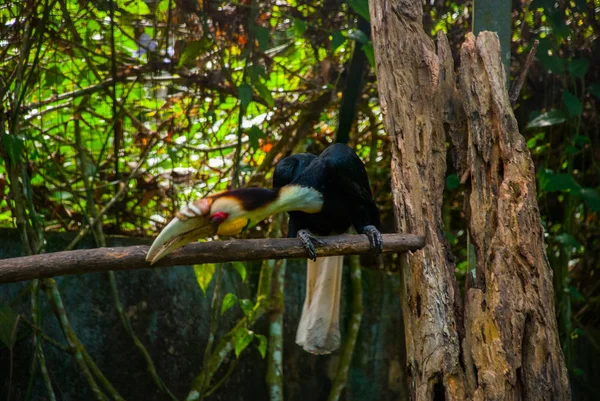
(323, 195)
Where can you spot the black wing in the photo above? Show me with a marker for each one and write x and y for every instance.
(291, 167)
(285, 172)
(347, 175)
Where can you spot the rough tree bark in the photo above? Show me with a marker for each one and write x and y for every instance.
(504, 344)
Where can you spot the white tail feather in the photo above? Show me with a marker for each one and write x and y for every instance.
(319, 327)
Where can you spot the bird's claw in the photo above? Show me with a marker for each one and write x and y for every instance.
(375, 239)
(308, 241)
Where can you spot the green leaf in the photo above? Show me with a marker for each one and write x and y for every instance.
(452, 182)
(532, 142)
(595, 90)
(262, 36)
(581, 140)
(13, 145)
(552, 117)
(591, 198)
(245, 95)
(568, 240)
(241, 269)
(358, 35)
(552, 63)
(204, 274)
(576, 295)
(229, 300)
(254, 133)
(138, 7)
(8, 319)
(561, 182)
(265, 93)
(337, 39)
(256, 71)
(579, 67)
(370, 53)
(243, 337)
(299, 27)
(572, 103)
(192, 51)
(53, 77)
(246, 306)
(361, 7)
(262, 344)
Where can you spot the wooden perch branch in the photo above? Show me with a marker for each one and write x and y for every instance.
(134, 257)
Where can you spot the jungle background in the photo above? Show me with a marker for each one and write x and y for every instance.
(115, 113)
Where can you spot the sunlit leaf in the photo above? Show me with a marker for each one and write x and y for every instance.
(134, 6)
(337, 39)
(241, 269)
(361, 7)
(243, 338)
(552, 117)
(262, 344)
(204, 274)
(229, 301)
(299, 27)
(246, 306)
(572, 104)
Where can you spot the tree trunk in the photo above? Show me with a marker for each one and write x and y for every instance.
(506, 347)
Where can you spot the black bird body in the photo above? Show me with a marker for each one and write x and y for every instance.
(324, 195)
(340, 176)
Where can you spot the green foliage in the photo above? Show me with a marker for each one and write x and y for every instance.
(548, 119)
(241, 269)
(8, 322)
(243, 338)
(204, 274)
(361, 7)
(229, 301)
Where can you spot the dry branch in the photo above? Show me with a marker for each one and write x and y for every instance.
(133, 257)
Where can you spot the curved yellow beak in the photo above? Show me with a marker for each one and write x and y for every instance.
(191, 223)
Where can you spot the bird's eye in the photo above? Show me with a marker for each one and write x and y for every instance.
(218, 217)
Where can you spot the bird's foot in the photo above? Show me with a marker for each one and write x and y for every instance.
(308, 241)
(375, 239)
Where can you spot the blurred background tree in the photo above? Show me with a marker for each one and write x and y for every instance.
(114, 113)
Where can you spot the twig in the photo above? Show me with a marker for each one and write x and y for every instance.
(224, 347)
(56, 302)
(124, 188)
(341, 378)
(515, 89)
(37, 344)
(133, 257)
(274, 377)
(215, 306)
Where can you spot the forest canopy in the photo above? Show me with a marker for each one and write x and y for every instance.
(120, 112)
